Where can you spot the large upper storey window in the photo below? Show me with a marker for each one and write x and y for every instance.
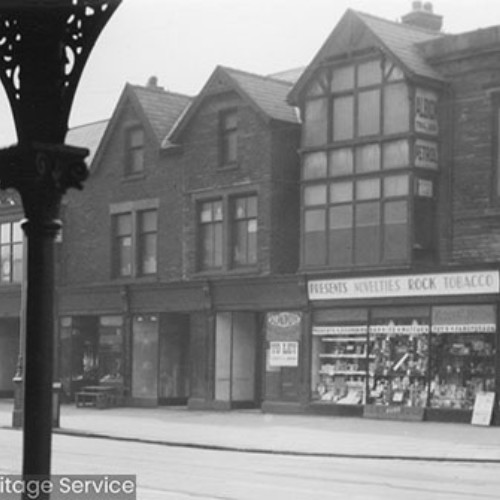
(356, 102)
(369, 159)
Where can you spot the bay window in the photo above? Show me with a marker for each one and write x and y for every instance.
(361, 156)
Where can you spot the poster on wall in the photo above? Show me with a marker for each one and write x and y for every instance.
(426, 120)
(283, 354)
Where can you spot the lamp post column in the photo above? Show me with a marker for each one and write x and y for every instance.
(44, 47)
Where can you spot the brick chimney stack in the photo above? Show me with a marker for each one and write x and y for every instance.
(422, 16)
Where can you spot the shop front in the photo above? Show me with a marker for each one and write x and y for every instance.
(404, 347)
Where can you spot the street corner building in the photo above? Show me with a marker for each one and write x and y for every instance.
(324, 240)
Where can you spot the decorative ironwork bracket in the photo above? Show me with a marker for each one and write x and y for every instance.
(44, 45)
(42, 173)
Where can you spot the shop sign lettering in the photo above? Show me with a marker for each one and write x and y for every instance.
(426, 120)
(283, 354)
(467, 283)
(426, 154)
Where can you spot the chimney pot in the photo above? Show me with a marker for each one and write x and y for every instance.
(422, 16)
(152, 82)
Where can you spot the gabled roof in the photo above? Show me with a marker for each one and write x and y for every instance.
(157, 109)
(87, 136)
(265, 94)
(161, 108)
(358, 31)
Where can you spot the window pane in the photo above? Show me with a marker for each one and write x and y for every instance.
(217, 210)
(314, 165)
(396, 108)
(396, 231)
(368, 189)
(17, 271)
(341, 236)
(396, 212)
(396, 154)
(396, 185)
(314, 237)
(315, 122)
(367, 239)
(341, 162)
(136, 138)
(368, 158)
(5, 233)
(370, 73)
(149, 220)
(343, 118)
(124, 224)
(252, 206)
(343, 78)
(6, 264)
(341, 192)
(341, 217)
(315, 195)
(367, 214)
(17, 231)
(125, 256)
(369, 113)
(240, 235)
(148, 254)
(230, 120)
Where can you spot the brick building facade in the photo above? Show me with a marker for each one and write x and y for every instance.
(323, 241)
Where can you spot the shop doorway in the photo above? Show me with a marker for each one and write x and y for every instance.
(238, 378)
(173, 378)
(160, 354)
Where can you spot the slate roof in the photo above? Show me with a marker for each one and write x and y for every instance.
(269, 94)
(402, 40)
(87, 136)
(162, 108)
(398, 39)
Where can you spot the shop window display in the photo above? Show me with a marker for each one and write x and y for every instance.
(341, 364)
(398, 363)
(463, 355)
(464, 364)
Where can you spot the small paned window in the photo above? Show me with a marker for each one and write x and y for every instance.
(211, 234)
(244, 234)
(11, 252)
(228, 130)
(135, 150)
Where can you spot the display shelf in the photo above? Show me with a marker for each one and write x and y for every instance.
(341, 362)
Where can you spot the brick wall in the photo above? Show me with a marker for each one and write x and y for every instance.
(469, 177)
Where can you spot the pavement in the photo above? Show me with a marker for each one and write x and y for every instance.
(256, 432)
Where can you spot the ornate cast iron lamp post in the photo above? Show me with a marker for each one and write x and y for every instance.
(44, 45)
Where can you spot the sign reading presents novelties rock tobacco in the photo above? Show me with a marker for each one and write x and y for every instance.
(416, 285)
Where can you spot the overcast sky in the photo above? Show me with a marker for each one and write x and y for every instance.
(182, 41)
